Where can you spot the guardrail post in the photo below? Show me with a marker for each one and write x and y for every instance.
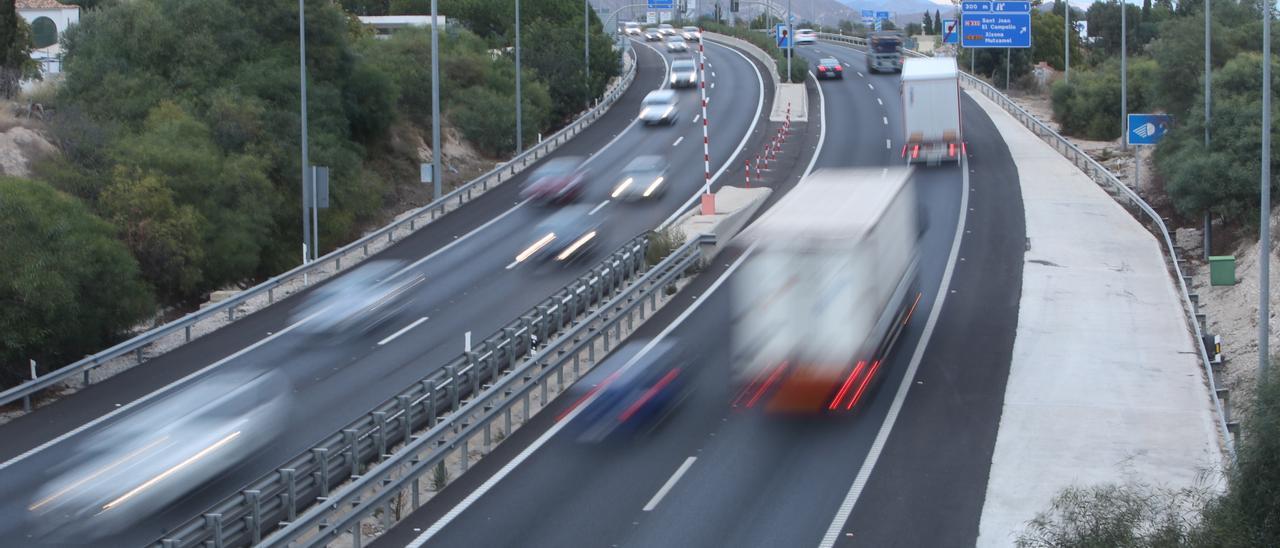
(430, 406)
(320, 455)
(231, 313)
(380, 432)
(169, 543)
(213, 522)
(475, 373)
(349, 441)
(406, 416)
(453, 385)
(289, 476)
(85, 381)
(255, 514)
(510, 335)
(466, 454)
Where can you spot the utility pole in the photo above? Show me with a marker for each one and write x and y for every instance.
(791, 41)
(302, 77)
(436, 150)
(1208, 93)
(1124, 80)
(519, 100)
(1264, 247)
(586, 45)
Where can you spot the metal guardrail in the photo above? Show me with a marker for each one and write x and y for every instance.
(185, 329)
(280, 496)
(1123, 194)
(381, 493)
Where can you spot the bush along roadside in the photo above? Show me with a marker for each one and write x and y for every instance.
(799, 66)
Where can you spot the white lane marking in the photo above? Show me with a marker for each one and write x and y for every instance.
(860, 73)
(822, 128)
(886, 120)
(657, 497)
(708, 99)
(713, 85)
(402, 331)
(519, 459)
(713, 74)
(450, 245)
(156, 393)
(879, 101)
(741, 144)
(888, 143)
(512, 265)
(847, 65)
(871, 87)
(678, 141)
(598, 208)
(697, 117)
(864, 473)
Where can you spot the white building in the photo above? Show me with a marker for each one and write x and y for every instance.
(384, 25)
(48, 20)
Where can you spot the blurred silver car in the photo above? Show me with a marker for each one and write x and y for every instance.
(684, 73)
(135, 467)
(692, 34)
(631, 28)
(666, 29)
(567, 235)
(676, 44)
(356, 302)
(652, 35)
(659, 107)
(644, 177)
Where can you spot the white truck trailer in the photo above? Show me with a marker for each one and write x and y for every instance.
(828, 285)
(931, 110)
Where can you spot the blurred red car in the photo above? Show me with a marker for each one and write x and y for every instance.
(559, 180)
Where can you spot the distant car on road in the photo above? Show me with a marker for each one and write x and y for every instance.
(635, 398)
(559, 180)
(692, 34)
(644, 177)
(684, 73)
(676, 44)
(666, 30)
(659, 107)
(631, 28)
(652, 35)
(563, 237)
(356, 302)
(829, 67)
(806, 36)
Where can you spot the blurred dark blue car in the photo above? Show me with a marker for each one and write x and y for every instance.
(635, 399)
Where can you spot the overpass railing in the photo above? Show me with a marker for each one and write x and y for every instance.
(157, 341)
(1128, 198)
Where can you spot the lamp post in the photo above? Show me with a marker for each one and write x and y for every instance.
(519, 100)
(436, 149)
(1264, 246)
(302, 78)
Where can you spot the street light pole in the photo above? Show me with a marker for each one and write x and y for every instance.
(436, 150)
(1124, 80)
(302, 78)
(1066, 40)
(1264, 247)
(519, 100)
(791, 41)
(1208, 93)
(586, 45)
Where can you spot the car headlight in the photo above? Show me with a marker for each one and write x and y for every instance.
(668, 112)
(622, 187)
(569, 251)
(644, 112)
(653, 186)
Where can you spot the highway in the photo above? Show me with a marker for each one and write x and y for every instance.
(897, 473)
(467, 286)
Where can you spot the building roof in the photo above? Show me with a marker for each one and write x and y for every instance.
(42, 5)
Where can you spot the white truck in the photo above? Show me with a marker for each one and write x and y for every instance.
(931, 110)
(828, 284)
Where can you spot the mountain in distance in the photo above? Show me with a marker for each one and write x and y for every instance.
(902, 7)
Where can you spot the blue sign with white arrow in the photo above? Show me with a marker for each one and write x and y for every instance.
(662, 4)
(1148, 129)
(995, 25)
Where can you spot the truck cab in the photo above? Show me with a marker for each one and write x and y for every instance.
(884, 52)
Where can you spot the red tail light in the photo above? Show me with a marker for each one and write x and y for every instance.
(839, 68)
(822, 69)
(904, 151)
(915, 152)
(951, 150)
(845, 388)
(863, 386)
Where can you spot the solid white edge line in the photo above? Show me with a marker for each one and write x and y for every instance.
(524, 455)
(678, 141)
(406, 328)
(598, 208)
(822, 127)
(242, 351)
(666, 487)
(864, 473)
(741, 144)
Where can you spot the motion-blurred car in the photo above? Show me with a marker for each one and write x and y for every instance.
(666, 30)
(638, 396)
(558, 180)
(356, 302)
(563, 237)
(806, 36)
(644, 177)
(659, 107)
(684, 73)
(692, 34)
(631, 28)
(652, 35)
(830, 68)
(676, 44)
(135, 467)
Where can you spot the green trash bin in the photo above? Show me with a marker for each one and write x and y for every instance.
(1222, 270)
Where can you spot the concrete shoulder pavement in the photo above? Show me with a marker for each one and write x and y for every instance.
(1104, 385)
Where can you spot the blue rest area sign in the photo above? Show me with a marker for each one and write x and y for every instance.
(784, 38)
(950, 34)
(995, 25)
(1148, 129)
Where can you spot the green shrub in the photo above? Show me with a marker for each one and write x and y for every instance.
(799, 66)
(662, 243)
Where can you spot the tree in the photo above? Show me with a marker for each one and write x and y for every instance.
(914, 29)
(16, 63)
(67, 285)
(927, 25)
(163, 236)
(937, 22)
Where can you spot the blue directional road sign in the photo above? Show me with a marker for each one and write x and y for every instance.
(784, 38)
(882, 15)
(1148, 129)
(995, 25)
(950, 34)
(868, 17)
(662, 4)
